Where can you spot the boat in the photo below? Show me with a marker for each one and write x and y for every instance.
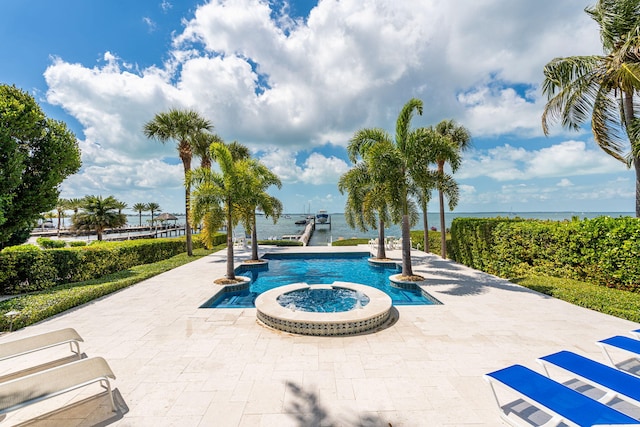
(301, 222)
(292, 237)
(322, 216)
(287, 216)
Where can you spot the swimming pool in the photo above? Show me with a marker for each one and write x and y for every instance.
(318, 268)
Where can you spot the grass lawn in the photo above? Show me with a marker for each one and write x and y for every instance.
(619, 303)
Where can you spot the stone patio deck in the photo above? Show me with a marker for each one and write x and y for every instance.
(180, 365)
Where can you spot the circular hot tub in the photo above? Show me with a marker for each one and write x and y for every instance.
(342, 308)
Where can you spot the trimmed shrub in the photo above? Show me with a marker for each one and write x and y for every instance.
(47, 243)
(602, 250)
(349, 242)
(76, 243)
(417, 241)
(29, 270)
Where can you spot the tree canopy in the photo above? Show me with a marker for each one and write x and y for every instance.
(98, 214)
(184, 127)
(602, 88)
(36, 154)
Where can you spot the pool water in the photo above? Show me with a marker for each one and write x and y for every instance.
(334, 300)
(284, 269)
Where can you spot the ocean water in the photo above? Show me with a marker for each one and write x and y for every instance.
(339, 229)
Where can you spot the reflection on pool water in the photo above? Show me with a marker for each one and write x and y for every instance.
(321, 268)
(323, 300)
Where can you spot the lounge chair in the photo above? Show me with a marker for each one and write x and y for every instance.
(623, 343)
(613, 382)
(560, 402)
(40, 342)
(42, 385)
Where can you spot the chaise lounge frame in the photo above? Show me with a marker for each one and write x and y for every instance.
(613, 382)
(33, 388)
(563, 404)
(40, 342)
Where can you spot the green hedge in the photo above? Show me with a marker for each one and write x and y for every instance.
(417, 240)
(602, 250)
(349, 242)
(38, 306)
(47, 243)
(32, 269)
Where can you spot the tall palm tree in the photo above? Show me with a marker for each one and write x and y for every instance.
(261, 178)
(366, 203)
(389, 163)
(153, 208)
(446, 146)
(602, 87)
(140, 207)
(183, 126)
(257, 198)
(426, 184)
(219, 194)
(61, 206)
(97, 215)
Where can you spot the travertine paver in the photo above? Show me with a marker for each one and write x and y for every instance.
(180, 365)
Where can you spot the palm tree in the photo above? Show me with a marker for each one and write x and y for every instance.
(257, 198)
(74, 204)
(140, 207)
(120, 206)
(153, 208)
(366, 203)
(449, 141)
(183, 126)
(239, 151)
(390, 162)
(97, 215)
(426, 184)
(61, 206)
(218, 194)
(201, 144)
(602, 87)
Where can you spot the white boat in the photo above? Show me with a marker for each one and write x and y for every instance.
(322, 216)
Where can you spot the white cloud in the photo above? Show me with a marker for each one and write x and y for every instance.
(165, 6)
(316, 169)
(284, 86)
(568, 158)
(151, 26)
(564, 182)
(319, 169)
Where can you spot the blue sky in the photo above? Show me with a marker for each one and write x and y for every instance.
(294, 81)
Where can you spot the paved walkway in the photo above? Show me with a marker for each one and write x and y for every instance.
(180, 365)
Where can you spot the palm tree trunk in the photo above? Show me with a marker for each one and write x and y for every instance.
(636, 165)
(187, 205)
(629, 118)
(381, 249)
(139, 218)
(425, 224)
(230, 273)
(406, 247)
(443, 232)
(254, 239)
